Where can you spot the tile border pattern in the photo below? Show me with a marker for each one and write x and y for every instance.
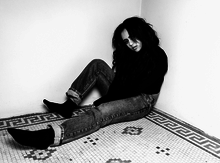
(162, 119)
(33, 119)
(185, 131)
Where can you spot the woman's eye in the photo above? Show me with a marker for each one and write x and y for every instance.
(126, 41)
(134, 39)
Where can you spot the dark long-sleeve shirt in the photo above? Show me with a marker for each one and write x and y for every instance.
(138, 77)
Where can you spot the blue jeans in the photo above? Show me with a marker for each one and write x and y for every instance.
(98, 73)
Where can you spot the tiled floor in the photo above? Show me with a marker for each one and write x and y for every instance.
(157, 138)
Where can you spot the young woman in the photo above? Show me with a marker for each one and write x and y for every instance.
(129, 89)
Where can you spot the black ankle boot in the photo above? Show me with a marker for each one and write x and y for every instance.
(40, 139)
(65, 109)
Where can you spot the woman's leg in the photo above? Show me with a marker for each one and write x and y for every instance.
(96, 73)
(96, 117)
(105, 114)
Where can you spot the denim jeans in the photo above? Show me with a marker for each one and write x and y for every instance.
(98, 73)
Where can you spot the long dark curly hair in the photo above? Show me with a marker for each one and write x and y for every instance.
(139, 29)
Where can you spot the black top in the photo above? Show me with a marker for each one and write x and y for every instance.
(137, 75)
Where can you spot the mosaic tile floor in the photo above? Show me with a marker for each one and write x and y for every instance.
(157, 138)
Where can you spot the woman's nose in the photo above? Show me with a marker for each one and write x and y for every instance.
(130, 42)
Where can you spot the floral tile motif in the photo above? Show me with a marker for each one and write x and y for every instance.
(132, 130)
(118, 161)
(39, 154)
(160, 150)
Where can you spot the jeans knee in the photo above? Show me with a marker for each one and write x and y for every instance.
(97, 62)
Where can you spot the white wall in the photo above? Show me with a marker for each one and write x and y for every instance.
(45, 44)
(189, 32)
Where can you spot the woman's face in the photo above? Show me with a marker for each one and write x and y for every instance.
(132, 43)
